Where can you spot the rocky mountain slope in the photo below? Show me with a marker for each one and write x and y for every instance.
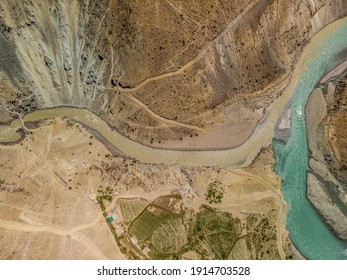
(327, 181)
(158, 71)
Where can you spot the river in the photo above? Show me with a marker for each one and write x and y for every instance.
(308, 232)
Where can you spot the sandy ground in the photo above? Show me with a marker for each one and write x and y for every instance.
(335, 72)
(227, 135)
(44, 212)
(286, 120)
(316, 111)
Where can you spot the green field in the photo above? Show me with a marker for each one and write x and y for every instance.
(132, 207)
(218, 230)
(221, 243)
(148, 221)
(170, 237)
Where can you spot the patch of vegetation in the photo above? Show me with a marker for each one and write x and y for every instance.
(100, 200)
(170, 237)
(107, 191)
(131, 208)
(215, 192)
(218, 229)
(262, 240)
(148, 221)
(222, 243)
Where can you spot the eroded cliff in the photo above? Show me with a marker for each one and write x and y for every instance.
(158, 71)
(327, 181)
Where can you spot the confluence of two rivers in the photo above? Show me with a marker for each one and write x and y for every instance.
(308, 232)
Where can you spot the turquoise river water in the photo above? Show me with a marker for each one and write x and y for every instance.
(309, 233)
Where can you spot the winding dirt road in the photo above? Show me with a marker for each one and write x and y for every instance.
(201, 54)
(72, 232)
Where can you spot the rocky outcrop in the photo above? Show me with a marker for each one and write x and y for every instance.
(335, 128)
(322, 201)
(326, 131)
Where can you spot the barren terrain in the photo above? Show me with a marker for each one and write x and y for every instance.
(51, 180)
